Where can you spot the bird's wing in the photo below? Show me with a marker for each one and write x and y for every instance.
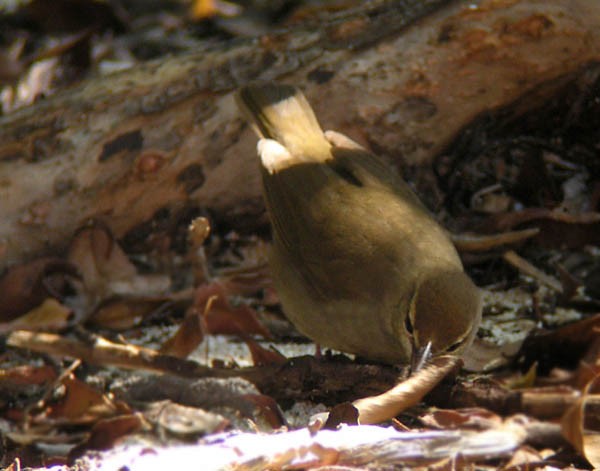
(350, 158)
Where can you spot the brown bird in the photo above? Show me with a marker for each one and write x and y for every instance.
(358, 262)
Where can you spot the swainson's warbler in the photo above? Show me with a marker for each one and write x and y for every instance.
(358, 262)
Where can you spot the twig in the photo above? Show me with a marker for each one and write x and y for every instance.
(331, 381)
(104, 352)
(527, 268)
(483, 243)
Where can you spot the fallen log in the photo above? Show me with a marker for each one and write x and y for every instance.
(144, 145)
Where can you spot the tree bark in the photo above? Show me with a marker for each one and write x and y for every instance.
(401, 77)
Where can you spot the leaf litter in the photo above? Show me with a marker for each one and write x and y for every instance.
(531, 404)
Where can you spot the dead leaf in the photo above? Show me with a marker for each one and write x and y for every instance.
(344, 413)
(122, 314)
(82, 404)
(484, 356)
(268, 409)
(524, 458)
(23, 287)
(107, 432)
(473, 418)
(564, 346)
(570, 283)
(247, 280)
(521, 381)
(222, 317)
(184, 421)
(11, 63)
(99, 259)
(581, 426)
(406, 393)
(49, 316)
(187, 338)
(491, 200)
(73, 15)
(106, 270)
(26, 375)
(261, 356)
(589, 366)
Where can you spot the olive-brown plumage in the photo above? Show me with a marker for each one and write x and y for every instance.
(358, 262)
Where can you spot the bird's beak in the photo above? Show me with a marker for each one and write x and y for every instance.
(420, 356)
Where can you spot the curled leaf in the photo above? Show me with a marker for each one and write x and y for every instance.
(187, 338)
(23, 287)
(50, 315)
(224, 318)
(580, 424)
(121, 314)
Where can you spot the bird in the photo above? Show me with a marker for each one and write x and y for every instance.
(358, 262)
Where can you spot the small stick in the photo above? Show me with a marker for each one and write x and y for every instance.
(104, 352)
(527, 268)
(483, 243)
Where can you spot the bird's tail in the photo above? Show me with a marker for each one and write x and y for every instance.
(282, 113)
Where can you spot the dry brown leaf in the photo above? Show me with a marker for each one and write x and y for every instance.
(38, 434)
(106, 432)
(49, 316)
(26, 286)
(343, 413)
(11, 63)
(122, 314)
(564, 346)
(477, 418)
(406, 393)
(589, 366)
(521, 381)
(523, 458)
(222, 317)
(82, 404)
(261, 356)
(100, 260)
(580, 424)
(247, 280)
(61, 16)
(184, 421)
(189, 335)
(484, 356)
(106, 270)
(267, 409)
(26, 375)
